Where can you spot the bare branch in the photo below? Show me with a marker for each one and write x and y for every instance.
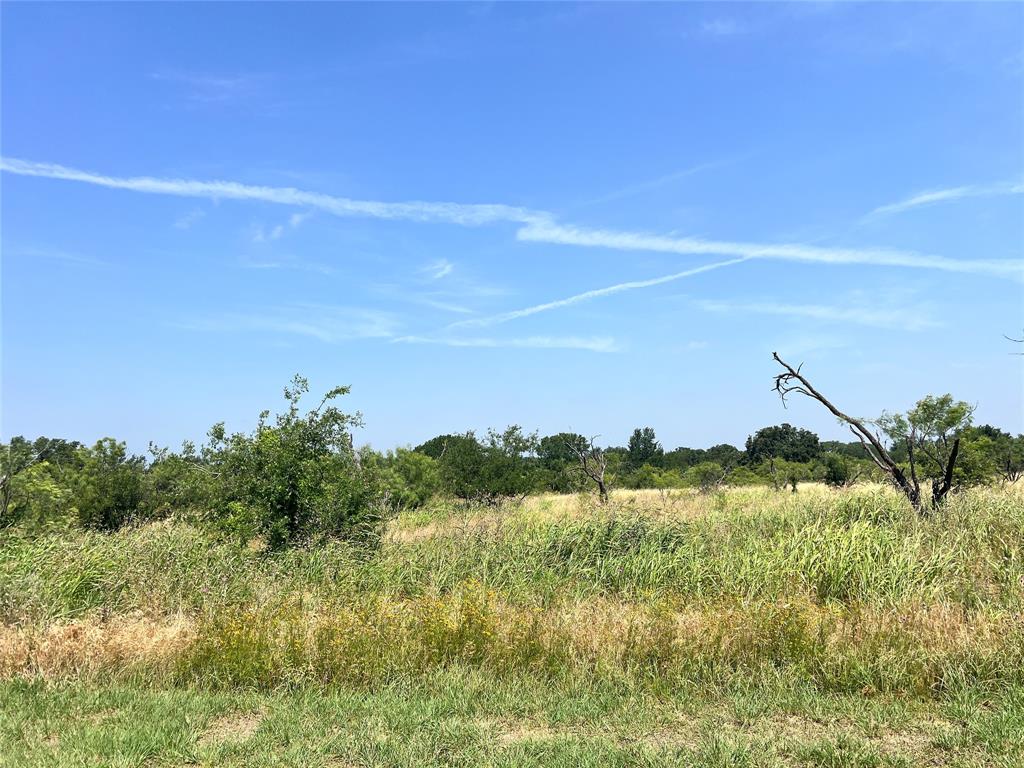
(793, 381)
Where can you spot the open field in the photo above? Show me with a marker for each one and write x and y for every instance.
(741, 628)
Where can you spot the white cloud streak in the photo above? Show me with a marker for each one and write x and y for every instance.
(439, 269)
(588, 343)
(721, 28)
(455, 213)
(943, 195)
(594, 294)
(913, 319)
(445, 306)
(328, 324)
(548, 232)
(536, 226)
(187, 220)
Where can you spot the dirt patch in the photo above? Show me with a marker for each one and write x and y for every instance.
(233, 728)
(508, 732)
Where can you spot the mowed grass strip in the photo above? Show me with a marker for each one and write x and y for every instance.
(463, 717)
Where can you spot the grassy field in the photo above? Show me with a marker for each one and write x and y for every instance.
(749, 627)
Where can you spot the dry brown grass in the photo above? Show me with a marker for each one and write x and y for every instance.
(233, 728)
(606, 636)
(88, 647)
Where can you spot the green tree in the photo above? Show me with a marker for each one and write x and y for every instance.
(1004, 452)
(504, 465)
(728, 456)
(644, 448)
(407, 478)
(706, 476)
(930, 432)
(682, 458)
(559, 459)
(838, 470)
(38, 498)
(295, 477)
(782, 442)
(107, 489)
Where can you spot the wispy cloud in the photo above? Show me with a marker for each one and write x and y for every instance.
(632, 190)
(536, 226)
(438, 269)
(445, 306)
(588, 343)
(211, 88)
(288, 261)
(187, 220)
(296, 220)
(944, 195)
(632, 285)
(455, 213)
(57, 254)
(328, 324)
(907, 319)
(549, 232)
(722, 27)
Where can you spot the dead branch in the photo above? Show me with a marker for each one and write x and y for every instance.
(592, 464)
(792, 381)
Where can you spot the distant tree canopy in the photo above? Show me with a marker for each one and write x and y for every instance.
(297, 476)
(644, 448)
(503, 464)
(782, 442)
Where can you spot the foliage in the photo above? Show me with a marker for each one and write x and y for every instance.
(408, 479)
(644, 448)
(1002, 454)
(647, 476)
(500, 467)
(295, 477)
(108, 486)
(38, 498)
(782, 442)
(838, 470)
(559, 463)
(930, 432)
(706, 476)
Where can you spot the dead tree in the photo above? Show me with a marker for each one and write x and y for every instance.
(793, 381)
(592, 464)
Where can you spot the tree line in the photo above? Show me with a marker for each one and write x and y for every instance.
(297, 476)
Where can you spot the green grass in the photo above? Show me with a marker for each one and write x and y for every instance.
(744, 628)
(462, 718)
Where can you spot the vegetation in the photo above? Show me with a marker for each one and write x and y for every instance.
(278, 597)
(298, 478)
(831, 625)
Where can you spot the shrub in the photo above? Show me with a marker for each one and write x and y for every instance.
(705, 476)
(295, 478)
(837, 470)
(108, 486)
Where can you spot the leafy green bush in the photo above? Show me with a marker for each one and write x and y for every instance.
(407, 479)
(500, 467)
(108, 486)
(837, 470)
(294, 478)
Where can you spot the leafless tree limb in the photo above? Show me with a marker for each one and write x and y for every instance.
(592, 464)
(793, 381)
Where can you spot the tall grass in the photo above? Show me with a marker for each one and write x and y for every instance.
(848, 590)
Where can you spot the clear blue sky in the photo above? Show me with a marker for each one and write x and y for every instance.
(200, 200)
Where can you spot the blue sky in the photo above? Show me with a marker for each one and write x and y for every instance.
(586, 217)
